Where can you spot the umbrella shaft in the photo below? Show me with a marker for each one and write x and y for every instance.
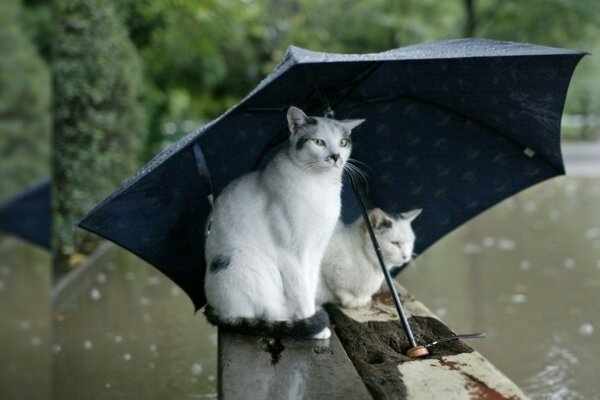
(386, 273)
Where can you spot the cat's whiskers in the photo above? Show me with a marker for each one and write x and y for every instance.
(354, 171)
(353, 160)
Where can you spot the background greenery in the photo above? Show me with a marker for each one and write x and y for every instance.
(25, 123)
(132, 76)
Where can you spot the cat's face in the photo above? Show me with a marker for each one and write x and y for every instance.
(395, 235)
(320, 143)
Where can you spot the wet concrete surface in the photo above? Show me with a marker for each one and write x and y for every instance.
(131, 333)
(25, 334)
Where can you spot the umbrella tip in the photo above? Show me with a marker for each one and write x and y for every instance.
(417, 352)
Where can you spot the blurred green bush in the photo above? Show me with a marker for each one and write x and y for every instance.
(97, 112)
(25, 94)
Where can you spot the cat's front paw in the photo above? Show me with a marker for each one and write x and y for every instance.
(324, 334)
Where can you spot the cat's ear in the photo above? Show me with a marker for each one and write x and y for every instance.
(350, 124)
(379, 220)
(297, 119)
(411, 215)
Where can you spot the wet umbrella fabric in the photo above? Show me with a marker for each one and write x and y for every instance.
(28, 215)
(452, 127)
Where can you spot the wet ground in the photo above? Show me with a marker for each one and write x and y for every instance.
(527, 272)
(25, 334)
(130, 333)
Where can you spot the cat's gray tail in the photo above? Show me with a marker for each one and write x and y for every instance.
(304, 328)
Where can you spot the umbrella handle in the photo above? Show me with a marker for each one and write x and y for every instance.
(415, 351)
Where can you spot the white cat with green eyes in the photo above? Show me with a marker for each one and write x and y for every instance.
(269, 232)
(350, 272)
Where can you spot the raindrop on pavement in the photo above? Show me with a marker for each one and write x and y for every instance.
(88, 344)
(471, 248)
(525, 265)
(95, 294)
(118, 339)
(129, 276)
(175, 291)
(144, 301)
(126, 356)
(56, 348)
(569, 263)
(518, 298)
(36, 341)
(153, 280)
(506, 244)
(586, 329)
(488, 242)
(530, 207)
(197, 369)
(25, 324)
(152, 348)
(101, 277)
(108, 386)
(592, 233)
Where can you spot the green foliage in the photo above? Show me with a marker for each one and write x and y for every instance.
(25, 91)
(199, 57)
(36, 18)
(97, 76)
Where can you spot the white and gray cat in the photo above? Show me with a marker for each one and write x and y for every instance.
(350, 272)
(269, 232)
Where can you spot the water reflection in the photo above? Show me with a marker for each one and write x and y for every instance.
(528, 273)
(128, 333)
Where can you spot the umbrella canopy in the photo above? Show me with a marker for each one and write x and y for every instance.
(452, 127)
(28, 214)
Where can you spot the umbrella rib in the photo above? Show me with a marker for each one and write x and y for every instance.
(358, 82)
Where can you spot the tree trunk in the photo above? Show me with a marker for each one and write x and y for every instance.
(470, 20)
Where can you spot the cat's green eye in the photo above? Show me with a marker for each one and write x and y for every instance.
(344, 142)
(319, 142)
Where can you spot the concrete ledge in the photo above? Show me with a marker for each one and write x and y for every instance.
(366, 350)
(375, 342)
(261, 368)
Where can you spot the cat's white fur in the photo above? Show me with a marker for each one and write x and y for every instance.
(274, 226)
(350, 271)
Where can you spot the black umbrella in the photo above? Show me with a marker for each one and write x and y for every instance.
(28, 214)
(452, 127)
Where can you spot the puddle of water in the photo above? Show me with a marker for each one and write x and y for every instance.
(130, 332)
(24, 325)
(528, 273)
